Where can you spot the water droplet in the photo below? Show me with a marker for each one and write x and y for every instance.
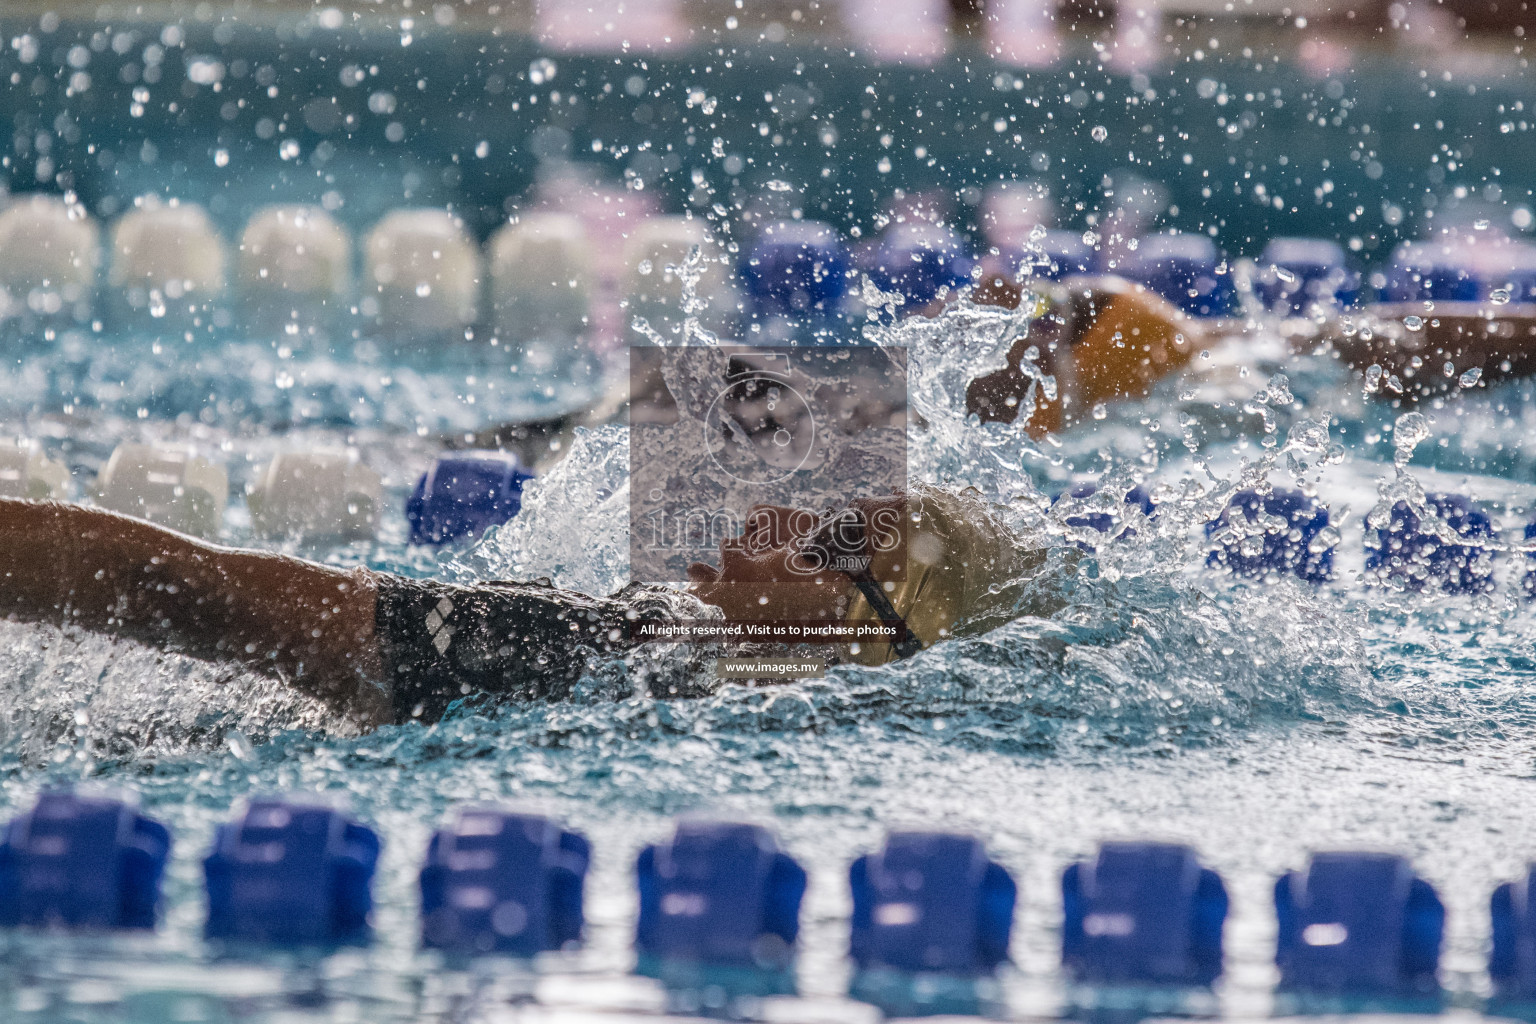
(1099, 133)
(1499, 297)
(238, 744)
(1411, 428)
(1100, 411)
(1326, 538)
(1308, 435)
(1471, 377)
(221, 158)
(423, 290)
(1413, 323)
(644, 267)
(777, 185)
(1278, 391)
(542, 70)
(289, 149)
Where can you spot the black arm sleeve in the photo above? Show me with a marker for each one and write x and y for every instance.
(523, 641)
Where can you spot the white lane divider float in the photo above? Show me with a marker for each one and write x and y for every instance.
(655, 293)
(167, 260)
(294, 265)
(542, 279)
(168, 485)
(422, 276)
(25, 472)
(316, 495)
(50, 252)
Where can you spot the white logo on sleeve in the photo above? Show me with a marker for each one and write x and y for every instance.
(437, 626)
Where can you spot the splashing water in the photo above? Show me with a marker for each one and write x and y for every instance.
(1134, 692)
(693, 302)
(1412, 428)
(946, 445)
(1075, 665)
(574, 526)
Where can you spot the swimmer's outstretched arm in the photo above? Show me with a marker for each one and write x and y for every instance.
(311, 624)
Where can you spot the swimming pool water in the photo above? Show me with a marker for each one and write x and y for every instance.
(1162, 699)
(1156, 698)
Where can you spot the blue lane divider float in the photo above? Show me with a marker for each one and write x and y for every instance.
(1408, 552)
(1461, 269)
(1280, 534)
(796, 269)
(1187, 270)
(464, 494)
(81, 861)
(1512, 959)
(496, 881)
(1143, 914)
(1297, 275)
(1443, 270)
(723, 895)
(932, 915)
(718, 895)
(1358, 924)
(286, 872)
(931, 901)
(919, 260)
